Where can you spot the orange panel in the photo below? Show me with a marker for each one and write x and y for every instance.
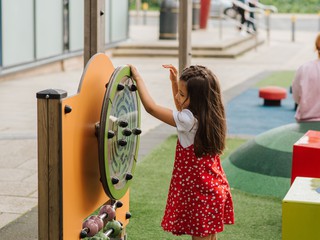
(82, 190)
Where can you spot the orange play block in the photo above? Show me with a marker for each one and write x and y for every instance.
(306, 156)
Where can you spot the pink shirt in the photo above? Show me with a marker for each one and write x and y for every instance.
(306, 91)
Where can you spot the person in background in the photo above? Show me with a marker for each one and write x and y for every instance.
(250, 22)
(241, 12)
(306, 88)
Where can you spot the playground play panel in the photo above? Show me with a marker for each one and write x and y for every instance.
(87, 150)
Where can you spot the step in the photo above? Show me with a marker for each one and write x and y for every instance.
(157, 50)
(231, 52)
(144, 52)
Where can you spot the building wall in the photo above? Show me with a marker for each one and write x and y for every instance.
(35, 31)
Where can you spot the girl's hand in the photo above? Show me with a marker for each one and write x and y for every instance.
(173, 72)
(134, 72)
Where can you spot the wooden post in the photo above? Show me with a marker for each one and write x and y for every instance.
(49, 164)
(185, 27)
(94, 28)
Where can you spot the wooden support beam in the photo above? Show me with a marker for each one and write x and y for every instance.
(185, 26)
(94, 28)
(49, 164)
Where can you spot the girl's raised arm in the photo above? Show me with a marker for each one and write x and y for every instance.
(174, 83)
(162, 113)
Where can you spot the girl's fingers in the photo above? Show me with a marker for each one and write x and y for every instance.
(134, 72)
(132, 68)
(171, 67)
(167, 65)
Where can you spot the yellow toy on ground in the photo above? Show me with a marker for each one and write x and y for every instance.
(301, 210)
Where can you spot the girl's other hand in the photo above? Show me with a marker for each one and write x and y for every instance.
(134, 72)
(173, 72)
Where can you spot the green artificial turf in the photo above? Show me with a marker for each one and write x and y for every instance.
(280, 79)
(257, 217)
(231, 145)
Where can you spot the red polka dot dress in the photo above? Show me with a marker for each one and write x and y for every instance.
(199, 200)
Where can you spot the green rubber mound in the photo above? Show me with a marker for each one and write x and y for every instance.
(263, 165)
(260, 159)
(255, 183)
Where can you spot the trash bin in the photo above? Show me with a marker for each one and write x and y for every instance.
(204, 13)
(195, 14)
(169, 10)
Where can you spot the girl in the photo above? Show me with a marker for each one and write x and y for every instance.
(199, 200)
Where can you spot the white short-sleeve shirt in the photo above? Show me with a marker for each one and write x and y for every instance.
(187, 126)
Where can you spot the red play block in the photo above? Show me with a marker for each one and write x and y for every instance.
(306, 156)
(272, 95)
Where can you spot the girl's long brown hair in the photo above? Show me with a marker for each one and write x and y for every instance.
(206, 104)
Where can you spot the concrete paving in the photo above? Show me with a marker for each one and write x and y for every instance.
(18, 107)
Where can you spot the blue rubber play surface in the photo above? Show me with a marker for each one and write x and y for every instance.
(246, 114)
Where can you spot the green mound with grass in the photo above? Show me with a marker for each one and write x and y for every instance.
(277, 78)
(263, 164)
